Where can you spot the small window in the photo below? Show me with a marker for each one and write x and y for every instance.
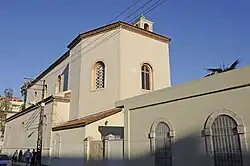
(137, 25)
(146, 77)
(45, 91)
(35, 93)
(58, 84)
(99, 75)
(65, 78)
(146, 26)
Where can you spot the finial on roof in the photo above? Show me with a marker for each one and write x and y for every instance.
(142, 16)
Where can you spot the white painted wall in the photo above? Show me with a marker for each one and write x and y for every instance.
(91, 101)
(74, 77)
(123, 54)
(16, 135)
(187, 115)
(18, 130)
(135, 50)
(50, 81)
(113, 120)
(60, 113)
(71, 147)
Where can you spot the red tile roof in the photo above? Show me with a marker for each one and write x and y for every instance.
(81, 122)
(11, 99)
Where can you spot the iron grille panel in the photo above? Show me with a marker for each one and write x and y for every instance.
(100, 75)
(226, 142)
(163, 153)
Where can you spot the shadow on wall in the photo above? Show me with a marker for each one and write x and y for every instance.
(188, 151)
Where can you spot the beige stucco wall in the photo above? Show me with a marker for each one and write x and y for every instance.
(123, 53)
(74, 84)
(71, 147)
(136, 49)
(16, 136)
(113, 120)
(187, 110)
(16, 106)
(50, 81)
(18, 130)
(91, 101)
(60, 113)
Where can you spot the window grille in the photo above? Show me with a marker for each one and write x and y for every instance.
(226, 142)
(163, 153)
(99, 75)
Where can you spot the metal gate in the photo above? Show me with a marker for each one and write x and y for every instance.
(96, 153)
(163, 154)
(226, 142)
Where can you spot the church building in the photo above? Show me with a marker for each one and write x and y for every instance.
(109, 101)
(101, 66)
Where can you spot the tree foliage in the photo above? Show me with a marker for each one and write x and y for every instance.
(222, 69)
(8, 93)
(23, 91)
(5, 106)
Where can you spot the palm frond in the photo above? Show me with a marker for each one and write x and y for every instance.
(215, 70)
(233, 65)
(212, 70)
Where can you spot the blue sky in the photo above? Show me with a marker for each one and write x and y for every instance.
(206, 33)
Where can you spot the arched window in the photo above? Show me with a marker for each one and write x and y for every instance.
(226, 142)
(58, 84)
(161, 136)
(146, 26)
(35, 93)
(45, 91)
(99, 75)
(146, 77)
(223, 135)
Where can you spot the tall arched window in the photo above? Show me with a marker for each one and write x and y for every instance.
(45, 91)
(161, 136)
(99, 75)
(58, 84)
(223, 135)
(226, 142)
(146, 77)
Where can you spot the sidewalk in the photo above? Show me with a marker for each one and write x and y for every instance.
(19, 164)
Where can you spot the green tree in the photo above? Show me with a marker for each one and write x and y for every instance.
(5, 100)
(24, 93)
(8, 93)
(5, 106)
(222, 69)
